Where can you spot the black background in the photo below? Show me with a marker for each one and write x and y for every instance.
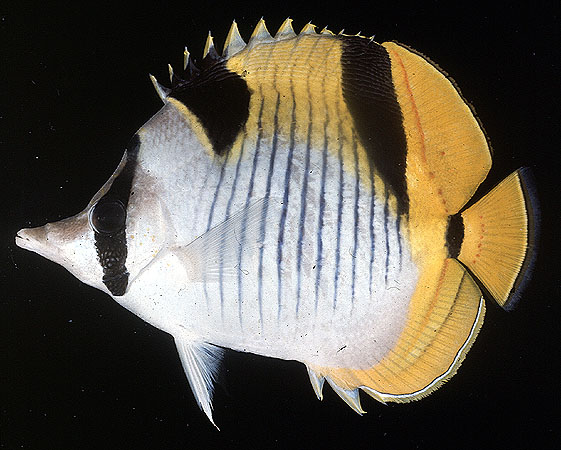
(78, 371)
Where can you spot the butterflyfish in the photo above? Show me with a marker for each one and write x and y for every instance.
(303, 197)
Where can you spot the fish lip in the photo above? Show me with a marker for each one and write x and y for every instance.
(22, 241)
(34, 240)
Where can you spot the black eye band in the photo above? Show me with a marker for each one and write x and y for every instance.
(108, 220)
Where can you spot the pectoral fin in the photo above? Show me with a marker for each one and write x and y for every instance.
(217, 253)
(200, 361)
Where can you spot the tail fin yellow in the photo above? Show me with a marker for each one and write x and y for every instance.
(499, 233)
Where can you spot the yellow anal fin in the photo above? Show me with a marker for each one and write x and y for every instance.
(498, 238)
(447, 153)
(446, 313)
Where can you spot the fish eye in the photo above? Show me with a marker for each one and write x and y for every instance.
(108, 216)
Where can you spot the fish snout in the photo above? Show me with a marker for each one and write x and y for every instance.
(31, 238)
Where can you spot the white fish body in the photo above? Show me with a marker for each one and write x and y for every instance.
(275, 228)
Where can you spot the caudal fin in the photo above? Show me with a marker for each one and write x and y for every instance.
(499, 233)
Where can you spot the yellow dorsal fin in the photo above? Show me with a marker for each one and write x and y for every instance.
(448, 154)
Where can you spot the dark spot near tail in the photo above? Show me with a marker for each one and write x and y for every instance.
(455, 235)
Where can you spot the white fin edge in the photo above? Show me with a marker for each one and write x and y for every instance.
(317, 383)
(200, 362)
(216, 253)
(437, 382)
(351, 397)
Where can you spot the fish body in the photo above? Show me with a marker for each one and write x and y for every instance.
(302, 197)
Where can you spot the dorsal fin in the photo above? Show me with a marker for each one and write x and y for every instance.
(234, 42)
(260, 35)
(173, 78)
(189, 68)
(285, 31)
(209, 45)
(309, 28)
(162, 91)
(210, 55)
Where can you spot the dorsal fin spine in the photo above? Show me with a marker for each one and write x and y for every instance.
(162, 91)
(309, 28)
(234, 42)
(171, 76)
(285, 31)
(209, 51)
(186, 58)
(260, 35)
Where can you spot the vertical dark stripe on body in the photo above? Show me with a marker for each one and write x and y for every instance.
(236, 175)
(339, 217)
(272, 158)
(370, 95)
(356, 216)
(398, 236)
(319, 262)
(227, 215)
(372, 215)
(301, 227)
(209, 224)
(112, 247)
(386, 212)
(247, 200)
(284, 210)
(216, 191)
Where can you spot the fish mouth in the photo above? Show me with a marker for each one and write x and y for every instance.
(24, 238)
(32, 239)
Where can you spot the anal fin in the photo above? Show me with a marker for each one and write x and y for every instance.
(350, 396)
(200, 361)
(441, 326)
(317, 383)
